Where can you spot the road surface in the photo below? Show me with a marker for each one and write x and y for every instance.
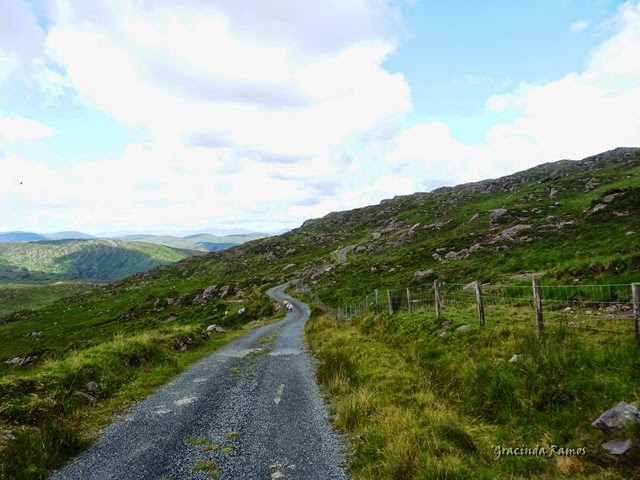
(251, 410)
(342, 253)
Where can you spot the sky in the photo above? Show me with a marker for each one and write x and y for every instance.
(172, 115)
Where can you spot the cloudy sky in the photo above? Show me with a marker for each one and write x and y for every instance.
(258, 114)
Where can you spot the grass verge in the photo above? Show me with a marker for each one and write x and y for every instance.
(51, 422)
(420, 406)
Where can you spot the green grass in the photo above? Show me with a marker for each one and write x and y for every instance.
(418, 406)
(20, 296)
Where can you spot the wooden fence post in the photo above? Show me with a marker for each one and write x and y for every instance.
(478, 290)
(377, 302)
(389, 300)
(537, 305)
(635, 289)
(436, 296)
(409, 300)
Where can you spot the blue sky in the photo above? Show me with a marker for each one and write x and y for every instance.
(184, 115)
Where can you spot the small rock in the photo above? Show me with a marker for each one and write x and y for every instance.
(422, 273)
(629, 233)
(567, 309)
(241, 311)
(617, 417)
(35, 333)
(589, 312)
(444, 333)
(5, 435)
(92, 389)
(617, 447)
(463, 327)
(215, 328)
(86, 396)
(445, 324)
(514, 359)
(20, 360)
(499, 215)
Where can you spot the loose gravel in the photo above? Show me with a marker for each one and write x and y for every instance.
(252, 410)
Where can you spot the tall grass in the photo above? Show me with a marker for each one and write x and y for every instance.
(422, 406)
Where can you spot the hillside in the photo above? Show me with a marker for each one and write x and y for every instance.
(201, 241)
(53, 260)
(452, 397)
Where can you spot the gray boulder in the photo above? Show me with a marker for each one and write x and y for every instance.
(499, 215)
(617, 418)
(215, 328)
(617, 447)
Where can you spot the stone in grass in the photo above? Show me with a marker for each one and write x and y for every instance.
(6, 435)
(616, 418)
(617, 447)
(446, 323)
(85, 396)
(444, 333)
(514, 359)
(92, 389)
(215, 328)
(464, 327)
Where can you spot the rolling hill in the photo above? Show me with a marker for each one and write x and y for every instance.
(201, 241)
(96, 260)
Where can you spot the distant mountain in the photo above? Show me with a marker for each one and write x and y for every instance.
(93, 259)
(21, 237)
(201, 241)
(68, 235)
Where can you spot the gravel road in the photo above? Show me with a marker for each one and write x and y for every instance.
(251, 410)
(342, 253)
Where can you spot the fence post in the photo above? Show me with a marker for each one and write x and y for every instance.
(537, 305)
(409, 300)
(635, 289)
(436, 296)
(377, 302)
(478, 290)
(389, 300)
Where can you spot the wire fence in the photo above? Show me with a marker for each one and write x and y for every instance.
(612, 310)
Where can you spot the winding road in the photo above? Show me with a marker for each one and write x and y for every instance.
(251, 410)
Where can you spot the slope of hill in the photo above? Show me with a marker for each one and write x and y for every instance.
(201, 241)
(563, 221)
(51, 260)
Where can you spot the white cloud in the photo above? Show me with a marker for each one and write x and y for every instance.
(573, 117)
(579, 26)
(14, 128)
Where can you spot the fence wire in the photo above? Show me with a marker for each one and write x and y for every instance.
(591, 309)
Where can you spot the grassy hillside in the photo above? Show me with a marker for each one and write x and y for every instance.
(93, 259)
(567, 222)
(202, 241)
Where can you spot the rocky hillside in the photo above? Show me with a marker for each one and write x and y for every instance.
(568, 220)
(53, 260)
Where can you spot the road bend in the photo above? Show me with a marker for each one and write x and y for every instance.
(251, 410)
